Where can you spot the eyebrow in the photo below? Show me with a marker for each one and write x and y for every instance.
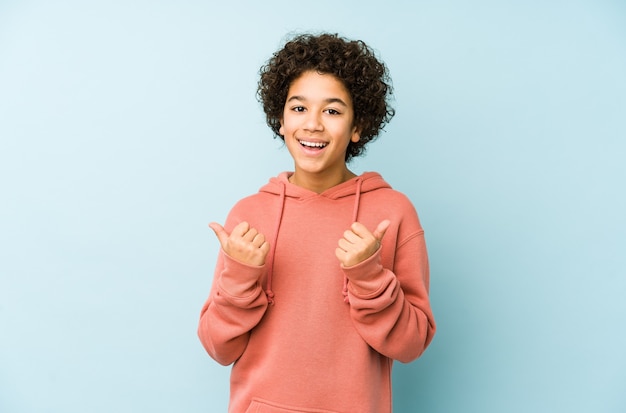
(326, 101)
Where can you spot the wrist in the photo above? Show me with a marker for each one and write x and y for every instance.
(239, 279)
(366, 276)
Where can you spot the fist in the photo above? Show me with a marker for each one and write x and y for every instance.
(244, 243)
(358, 243)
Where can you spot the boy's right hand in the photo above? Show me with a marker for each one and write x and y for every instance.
(245, 244)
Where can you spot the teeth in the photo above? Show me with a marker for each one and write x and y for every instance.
(313, 144)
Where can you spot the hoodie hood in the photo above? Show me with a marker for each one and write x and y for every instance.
(280, 186)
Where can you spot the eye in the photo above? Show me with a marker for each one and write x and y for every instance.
(333, 112)
(298, 109)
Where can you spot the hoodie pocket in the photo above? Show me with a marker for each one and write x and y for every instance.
(263, 406)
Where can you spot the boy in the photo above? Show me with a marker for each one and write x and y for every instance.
(322, 278)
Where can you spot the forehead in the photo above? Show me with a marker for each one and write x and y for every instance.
(314, 85)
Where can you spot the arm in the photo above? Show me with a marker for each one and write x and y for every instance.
(237, 302)
(390, 307)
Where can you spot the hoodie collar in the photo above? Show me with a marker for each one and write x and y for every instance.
(368, 181)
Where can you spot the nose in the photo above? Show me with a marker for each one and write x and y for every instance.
(313, 121)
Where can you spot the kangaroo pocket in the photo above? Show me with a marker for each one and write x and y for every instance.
(264, 406)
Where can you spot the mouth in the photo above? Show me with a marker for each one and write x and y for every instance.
(313, 145)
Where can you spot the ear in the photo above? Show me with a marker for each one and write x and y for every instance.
(356, 134)
(281, 131)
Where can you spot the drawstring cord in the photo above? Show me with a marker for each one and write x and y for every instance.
(270, 266)
(355, 215)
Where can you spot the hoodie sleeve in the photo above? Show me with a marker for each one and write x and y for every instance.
(228, 315)
(390, 307)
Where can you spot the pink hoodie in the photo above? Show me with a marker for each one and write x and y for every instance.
(302, 336)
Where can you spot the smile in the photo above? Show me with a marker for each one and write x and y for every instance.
(316, 145)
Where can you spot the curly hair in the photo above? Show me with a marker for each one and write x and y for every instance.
(352, 62)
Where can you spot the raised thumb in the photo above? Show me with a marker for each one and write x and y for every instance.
(380, 230)
(220, 232)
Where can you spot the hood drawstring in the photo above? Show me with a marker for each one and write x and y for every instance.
(270, 266)
(355, 215)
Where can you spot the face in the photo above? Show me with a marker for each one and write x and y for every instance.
(318, 125)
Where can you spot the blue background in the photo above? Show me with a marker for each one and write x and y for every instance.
(127, 126)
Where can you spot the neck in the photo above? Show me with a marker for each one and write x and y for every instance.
(317, 183)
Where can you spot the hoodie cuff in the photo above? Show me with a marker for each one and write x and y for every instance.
(239, 280)
(366, 278)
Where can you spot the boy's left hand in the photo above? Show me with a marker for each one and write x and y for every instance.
(358, 243)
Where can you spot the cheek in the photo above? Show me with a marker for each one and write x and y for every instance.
(286, 128)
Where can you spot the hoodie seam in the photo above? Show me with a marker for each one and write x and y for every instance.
(410, 237)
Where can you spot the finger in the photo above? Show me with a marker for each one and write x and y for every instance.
(220, 232)
(249, 236)
(350, 236)
(380, 230)
(258, 240)
(265, 248)
(360, 230)
(240, 229)
(345, 245)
